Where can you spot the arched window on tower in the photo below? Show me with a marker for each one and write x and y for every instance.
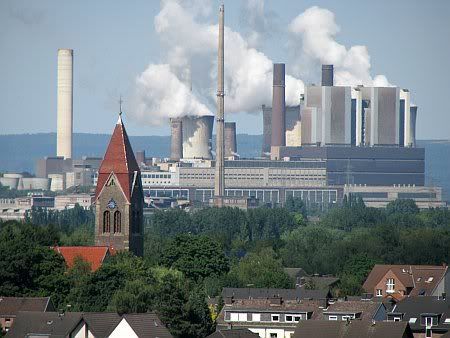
(117, 222)
(106, 221)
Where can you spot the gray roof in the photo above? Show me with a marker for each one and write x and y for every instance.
(413, 307)
(44, 323)
(147, 325)
(9, 306)
(295, 272)
(353, 329)
(234, 333)
(266, 293)
(102, 323)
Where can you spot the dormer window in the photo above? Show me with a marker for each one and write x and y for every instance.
(430, 279)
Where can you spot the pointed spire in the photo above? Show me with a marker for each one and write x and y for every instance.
(119, 121)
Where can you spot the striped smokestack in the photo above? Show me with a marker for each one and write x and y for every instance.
(230, 139)
(278, 106)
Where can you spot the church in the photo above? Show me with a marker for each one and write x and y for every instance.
(119, 198)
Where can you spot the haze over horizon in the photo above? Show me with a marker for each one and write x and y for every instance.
(144, 51)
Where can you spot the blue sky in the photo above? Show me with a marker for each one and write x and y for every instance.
(115, 41)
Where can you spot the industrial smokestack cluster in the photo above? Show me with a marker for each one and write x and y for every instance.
(65, 103)
(230, 139)
(278, 106)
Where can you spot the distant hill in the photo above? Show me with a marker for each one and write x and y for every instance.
(20, 152)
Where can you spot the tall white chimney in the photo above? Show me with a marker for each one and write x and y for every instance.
(65, 103)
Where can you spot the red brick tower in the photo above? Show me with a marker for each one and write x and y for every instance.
(119, 199)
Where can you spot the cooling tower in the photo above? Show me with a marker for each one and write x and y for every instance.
(176, 140)
(197, 134)
(230, 139)
(327, 75)
(412, 125)
(65, 103)
(278, 106)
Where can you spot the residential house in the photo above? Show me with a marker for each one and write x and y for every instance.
(317, 282)
(398, 281)
(87, 325)
(274, 317)
(233, 333)
(94, 255)
(352, 329)
(10, 306)
(428, 316)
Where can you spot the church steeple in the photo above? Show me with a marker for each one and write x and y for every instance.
(118, 196)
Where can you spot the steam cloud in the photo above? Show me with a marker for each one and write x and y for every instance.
(315, 30)
(190, 43)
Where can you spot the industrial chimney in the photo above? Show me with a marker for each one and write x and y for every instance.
(230, 139)
(140, 157)
(327, 75)
(176, 140)
(64, 103)
(278, 106)
(412, 125)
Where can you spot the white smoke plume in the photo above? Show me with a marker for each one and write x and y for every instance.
(188, 32)
(162, 91)
(314, 32)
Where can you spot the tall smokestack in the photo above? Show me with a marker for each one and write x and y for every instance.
(65, 103)
(219, 177)
(278, 106)
(230, 139)
(140, 157)
(327, 75)
(412, 133)
(176, 140)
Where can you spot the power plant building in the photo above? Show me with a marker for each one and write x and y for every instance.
(65, 103)
(230, 139)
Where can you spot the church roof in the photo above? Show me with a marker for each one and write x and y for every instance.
(119, 159)
(94, 255)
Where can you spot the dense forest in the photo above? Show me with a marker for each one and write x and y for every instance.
(191, 256)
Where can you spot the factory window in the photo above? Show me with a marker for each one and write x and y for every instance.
(117, 222)
(106, 221)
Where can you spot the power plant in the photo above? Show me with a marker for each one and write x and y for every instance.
(65, 103)
(196, 133)
(230, 139)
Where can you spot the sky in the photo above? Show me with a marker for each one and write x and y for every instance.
(152, 53)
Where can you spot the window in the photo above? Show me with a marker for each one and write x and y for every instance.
(117, 222)
(447, 321)
(348, 317)
(428, 321)
(274, 335)
(242, 317)
(332, 317)
(390, 285)
(234, 317)
(430, 279)
(379, 293)
(397, 319)
(412, 320)
(256, 317)
(275, 318)
(289, 318)
(297, 318)
(106, 221)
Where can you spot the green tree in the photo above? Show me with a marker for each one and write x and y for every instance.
(402, 206)
(296, 205)
(354, 273)
(261, 270)
(196, 256)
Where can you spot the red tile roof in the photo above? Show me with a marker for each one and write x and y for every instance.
(94, 255)
(119, 159)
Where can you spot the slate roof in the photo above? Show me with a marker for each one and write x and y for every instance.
(366, 308)
(234, 333)
(119, 158)
(94, 255)
(416, 277)
(413, 307)
(266, 293)
(102, 323)
(10, 306)
(147, 325)
(353, 329)
(44, 323)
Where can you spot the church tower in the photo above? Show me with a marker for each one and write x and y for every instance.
(119, 199)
